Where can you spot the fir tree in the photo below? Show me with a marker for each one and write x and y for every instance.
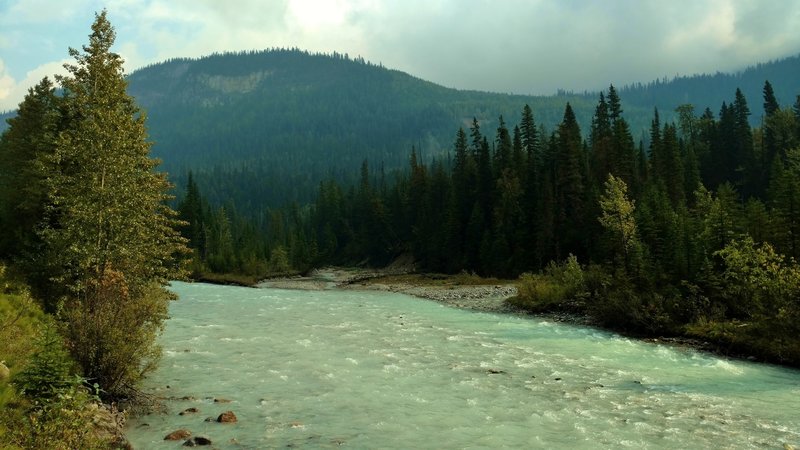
(24, 149)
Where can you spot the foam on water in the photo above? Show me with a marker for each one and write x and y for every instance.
(321, 369)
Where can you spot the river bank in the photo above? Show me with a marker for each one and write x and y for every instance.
(464, 291)
(460, 291)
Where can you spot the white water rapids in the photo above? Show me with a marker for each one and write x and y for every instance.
(324, 369)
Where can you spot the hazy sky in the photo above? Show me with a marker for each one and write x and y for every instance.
(519, 46)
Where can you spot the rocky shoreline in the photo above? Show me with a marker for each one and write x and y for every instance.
(446, 290)
(487, 298)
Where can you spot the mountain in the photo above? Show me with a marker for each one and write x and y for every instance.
(270, 125)
(264, 127)
(324, 110)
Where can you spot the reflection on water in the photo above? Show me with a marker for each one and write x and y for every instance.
(321, 369)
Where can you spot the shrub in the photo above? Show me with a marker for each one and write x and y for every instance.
(559, 287)
(43, 405)
(49, 369)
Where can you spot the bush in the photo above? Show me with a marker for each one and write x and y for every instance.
(111, 333)
(49, 369)
(560, 287)
(66, 420)
(43, 405)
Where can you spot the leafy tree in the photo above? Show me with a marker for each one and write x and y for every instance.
(757, 281)
(110, 236)
(618, 220)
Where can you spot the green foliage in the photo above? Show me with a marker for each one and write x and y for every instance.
(279, 261)
(49, 370)
(64, 422)
(618, 220)
(756, 282)
(560, 287)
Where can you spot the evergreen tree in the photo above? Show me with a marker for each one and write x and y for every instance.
(190, 211)
(24, 148)
(770, 102)
(796, 111)
(600, 139)
(503, 149)
(110, 235)
(530, 136)
(569, 188)
(746, 164)
(672, 165)
(785, 200)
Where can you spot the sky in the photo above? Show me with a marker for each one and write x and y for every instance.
(510, 46)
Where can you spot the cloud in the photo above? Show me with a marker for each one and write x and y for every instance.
(13, 92)
(7, 84)
(45, 11)
(520, 46)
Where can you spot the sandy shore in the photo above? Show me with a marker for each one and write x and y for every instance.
(490, 298)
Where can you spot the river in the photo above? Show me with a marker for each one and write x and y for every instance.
(325, 369)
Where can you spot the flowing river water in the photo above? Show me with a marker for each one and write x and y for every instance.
(325, 369)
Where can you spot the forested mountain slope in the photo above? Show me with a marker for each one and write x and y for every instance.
(263, 128)
(308, 110)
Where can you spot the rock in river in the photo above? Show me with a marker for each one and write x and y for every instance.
(178, 435)
(227, 417)
(191, 410)
(197, 440)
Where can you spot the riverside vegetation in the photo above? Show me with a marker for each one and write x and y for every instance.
(92, 244)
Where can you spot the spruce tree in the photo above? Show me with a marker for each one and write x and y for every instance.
(111, 238)
(190, 211)
(600, 140)
(569, 188)
(24, 146)
(770, 102)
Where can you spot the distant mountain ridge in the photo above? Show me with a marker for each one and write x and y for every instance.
(291, 117)
(260, 103)
(710, 90)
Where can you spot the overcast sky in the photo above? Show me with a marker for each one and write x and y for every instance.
(514, 46)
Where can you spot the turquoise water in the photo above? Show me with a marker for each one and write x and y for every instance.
(324, 369)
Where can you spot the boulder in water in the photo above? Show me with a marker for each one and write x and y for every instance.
(178, 435)
(227, 417)
(191, 410)
(197, 441)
